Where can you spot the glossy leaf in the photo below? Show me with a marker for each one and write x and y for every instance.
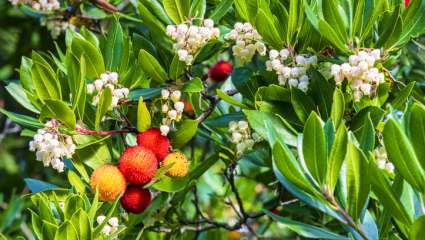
(402, 155)
(314, 147)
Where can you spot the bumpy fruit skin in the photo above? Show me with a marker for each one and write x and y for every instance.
(180, 165)
(138, 165)
(220, 71)
(109, 181)
(135, 199)
(153, 140)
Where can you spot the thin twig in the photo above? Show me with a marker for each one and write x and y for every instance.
(214, 100)
(112, 132)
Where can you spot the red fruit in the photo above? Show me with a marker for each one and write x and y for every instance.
(135, 199)
(138, 165)
(406, 3)
(188, 108)
(154, 141)
(220, 71)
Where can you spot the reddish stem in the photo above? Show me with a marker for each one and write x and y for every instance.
(93, 132)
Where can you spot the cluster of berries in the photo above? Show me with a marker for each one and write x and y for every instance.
(110, 227)
(56, 26)
(242, 137)
(107, 80)
(39, 5)
(382, 159)
(247, 42)
(290, 70)
(51, 146)
(137, 167)
(361, 73)
(190, 38)
(172, 107)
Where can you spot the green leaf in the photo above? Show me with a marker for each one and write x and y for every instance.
(103, 106)
(81, 221)
(289, 167)
(258, 121)
(266, 27)
(114, 45)
(197, 8)
(76, 182)
(18, 93)
(230, 100)
(143, 116)
(302, 103)
(416, 131)
(314, 147)
(151, 66)
(245, 82)
(321, 91)
(60, 111)
(66, 231)
(177, 10)
(193, 86)
(305, 230)
(358, 186)
(331, 35)
(221, 10)
(401, 99)
(146, 93)
(23, 120)
(72, 204)
(92, 55)
(76, 71)
(336, 157)
(293, 20)
(44, 78)
(185, 132)
(273, 93)
(367, 137)
(402, 155)
(417, 230)
(176, 68)
(338, 107)
(94, 155)
(388, 198)
(169, 184)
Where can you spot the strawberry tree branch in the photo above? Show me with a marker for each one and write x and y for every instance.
(112, 132)
(214, 100)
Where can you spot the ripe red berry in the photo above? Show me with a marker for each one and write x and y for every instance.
(220, 71)
(138, 165)
(154, 141)
(406, 3)
(135, 199)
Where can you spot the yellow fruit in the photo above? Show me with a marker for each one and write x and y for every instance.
(179, 164)
(109, 181)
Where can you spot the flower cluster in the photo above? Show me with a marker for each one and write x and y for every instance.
(172, 107)
(247, 42)
(242, 137)
(51, 146)
(56, 26)
(39, 5)
(190, 38)
(382, 159)
(360, 72)
(108, 80)
(110, 227)
(290, 70)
